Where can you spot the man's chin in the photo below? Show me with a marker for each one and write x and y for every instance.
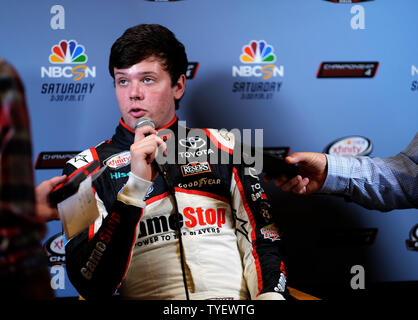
(129, 122)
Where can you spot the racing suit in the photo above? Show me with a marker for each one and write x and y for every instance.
(230, 244)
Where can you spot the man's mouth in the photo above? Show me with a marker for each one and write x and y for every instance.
(137, 112)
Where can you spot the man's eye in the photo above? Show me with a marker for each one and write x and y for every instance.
(147, 80)
(122, 82)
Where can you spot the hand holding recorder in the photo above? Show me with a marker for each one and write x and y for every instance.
(311, 177)
(44, 208)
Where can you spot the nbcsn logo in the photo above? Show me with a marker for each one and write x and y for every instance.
(68, 53)
(259, 56)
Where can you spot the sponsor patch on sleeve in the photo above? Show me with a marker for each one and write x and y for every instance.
(270, 232)
(119, 160)
(82, 159)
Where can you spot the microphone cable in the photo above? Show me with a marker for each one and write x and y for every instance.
(162, 170)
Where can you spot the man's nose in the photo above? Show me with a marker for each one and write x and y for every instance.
(137, 92)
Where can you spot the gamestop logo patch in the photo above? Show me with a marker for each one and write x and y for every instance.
(119, 160)
(203, 220)
(195, 168)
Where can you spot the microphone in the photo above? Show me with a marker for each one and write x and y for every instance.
(145, 121)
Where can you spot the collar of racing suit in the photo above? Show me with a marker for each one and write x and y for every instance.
(124, 135)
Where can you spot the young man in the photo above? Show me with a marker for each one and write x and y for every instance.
(194, 229)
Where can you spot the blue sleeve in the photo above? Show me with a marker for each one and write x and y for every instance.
(376, 183)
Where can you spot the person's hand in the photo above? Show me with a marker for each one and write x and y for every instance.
(312, 169)
(44, 209)
(143, 152)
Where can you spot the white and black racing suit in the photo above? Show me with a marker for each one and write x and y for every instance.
(231, 247)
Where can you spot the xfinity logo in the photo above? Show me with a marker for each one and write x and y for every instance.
(192, 142)
(55, 250)
(350, 146)
(118, 160)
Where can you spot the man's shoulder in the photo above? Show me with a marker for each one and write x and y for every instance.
(86, 156)
(221, 138)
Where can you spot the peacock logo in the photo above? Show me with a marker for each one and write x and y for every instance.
(257, 52)
(258, 59)
(68, 60)
(69, 52)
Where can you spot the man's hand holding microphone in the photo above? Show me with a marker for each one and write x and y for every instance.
(145, 149)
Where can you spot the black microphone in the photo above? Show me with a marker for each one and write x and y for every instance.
(145, 121)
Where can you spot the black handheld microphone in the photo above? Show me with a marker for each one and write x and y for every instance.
(145, 121)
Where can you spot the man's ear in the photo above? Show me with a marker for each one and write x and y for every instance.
(179, 87)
